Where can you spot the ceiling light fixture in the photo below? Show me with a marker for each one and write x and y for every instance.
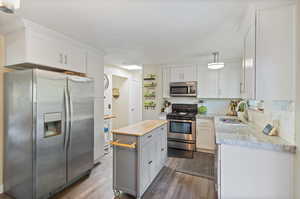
(216, 64)
(9, 6)
(131, 67)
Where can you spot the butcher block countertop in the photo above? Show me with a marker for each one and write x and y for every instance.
(111, 116)
(140, 128)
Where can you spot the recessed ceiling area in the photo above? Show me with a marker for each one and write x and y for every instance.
(145, 32)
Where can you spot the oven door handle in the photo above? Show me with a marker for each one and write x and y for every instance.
(182, 121)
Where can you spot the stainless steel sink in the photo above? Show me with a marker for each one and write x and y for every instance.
(231, 121)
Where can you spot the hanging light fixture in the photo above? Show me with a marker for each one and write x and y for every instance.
(216, 64)
(9, 6)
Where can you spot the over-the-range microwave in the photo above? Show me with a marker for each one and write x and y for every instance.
(183, 89)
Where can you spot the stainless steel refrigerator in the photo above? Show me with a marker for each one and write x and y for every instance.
(49, 132)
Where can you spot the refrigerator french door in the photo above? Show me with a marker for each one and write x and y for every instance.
(49, 132)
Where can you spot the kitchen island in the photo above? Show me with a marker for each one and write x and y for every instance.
(139, 153)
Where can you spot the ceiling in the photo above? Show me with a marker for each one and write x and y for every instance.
(145, 31)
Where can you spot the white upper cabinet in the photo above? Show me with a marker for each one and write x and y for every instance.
(223, 83)
(248, 76)
(183, 74)
(275, 55)
(207, 82)
(44, 47)
(229, 80)
(75, 58)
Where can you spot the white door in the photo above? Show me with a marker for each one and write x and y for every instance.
(135, 101)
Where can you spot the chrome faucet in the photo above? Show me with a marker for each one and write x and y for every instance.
(246, 114)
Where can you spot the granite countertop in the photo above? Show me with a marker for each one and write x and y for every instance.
(247, 135)
(140, 128)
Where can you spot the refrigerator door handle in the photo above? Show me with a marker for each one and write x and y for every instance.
(70, 117)
(67, 118)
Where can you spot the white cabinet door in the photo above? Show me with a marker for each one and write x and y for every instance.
(205, 135)
(183, 74)
(75, 58)
(275, 53)
(249, 83)
(43, 50)
(145, 169)
(255, 173)
(229, 80)
(166, 73)
(177, 74)
(207, 82)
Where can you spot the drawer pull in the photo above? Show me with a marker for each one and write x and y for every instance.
(150, 162)
(149, 136)
(162, 149)
(117, 143)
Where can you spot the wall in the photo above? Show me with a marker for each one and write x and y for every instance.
(150, 114)
(297, 108)
(120, 105)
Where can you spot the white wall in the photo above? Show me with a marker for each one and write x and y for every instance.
(297, 109)
(152, 114)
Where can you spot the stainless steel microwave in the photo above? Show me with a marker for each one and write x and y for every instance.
(183, 89)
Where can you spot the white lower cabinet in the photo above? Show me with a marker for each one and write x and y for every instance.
(205, 136)
(254, 173)
(135, 169)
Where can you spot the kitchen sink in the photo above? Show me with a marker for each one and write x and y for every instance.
(231, 121)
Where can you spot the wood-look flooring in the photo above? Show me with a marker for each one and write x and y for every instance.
(169, 184)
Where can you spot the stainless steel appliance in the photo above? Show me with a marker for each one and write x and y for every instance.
(182, 127)
(183, 89)
(49, 126)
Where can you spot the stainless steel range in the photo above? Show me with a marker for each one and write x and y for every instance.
(182, 127)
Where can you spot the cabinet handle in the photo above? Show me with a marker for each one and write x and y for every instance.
(162, 149)
(149, 136)
(60, 58)
(150, 162)
(117, 143)
(66, 59)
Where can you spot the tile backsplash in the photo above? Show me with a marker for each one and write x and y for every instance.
(281, 111)
(214, 106)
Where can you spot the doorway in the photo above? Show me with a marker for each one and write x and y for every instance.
(120, 101)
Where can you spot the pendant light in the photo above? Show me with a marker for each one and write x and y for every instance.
(216, 64)
(9, 6)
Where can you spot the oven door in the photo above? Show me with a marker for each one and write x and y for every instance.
(182, 130)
